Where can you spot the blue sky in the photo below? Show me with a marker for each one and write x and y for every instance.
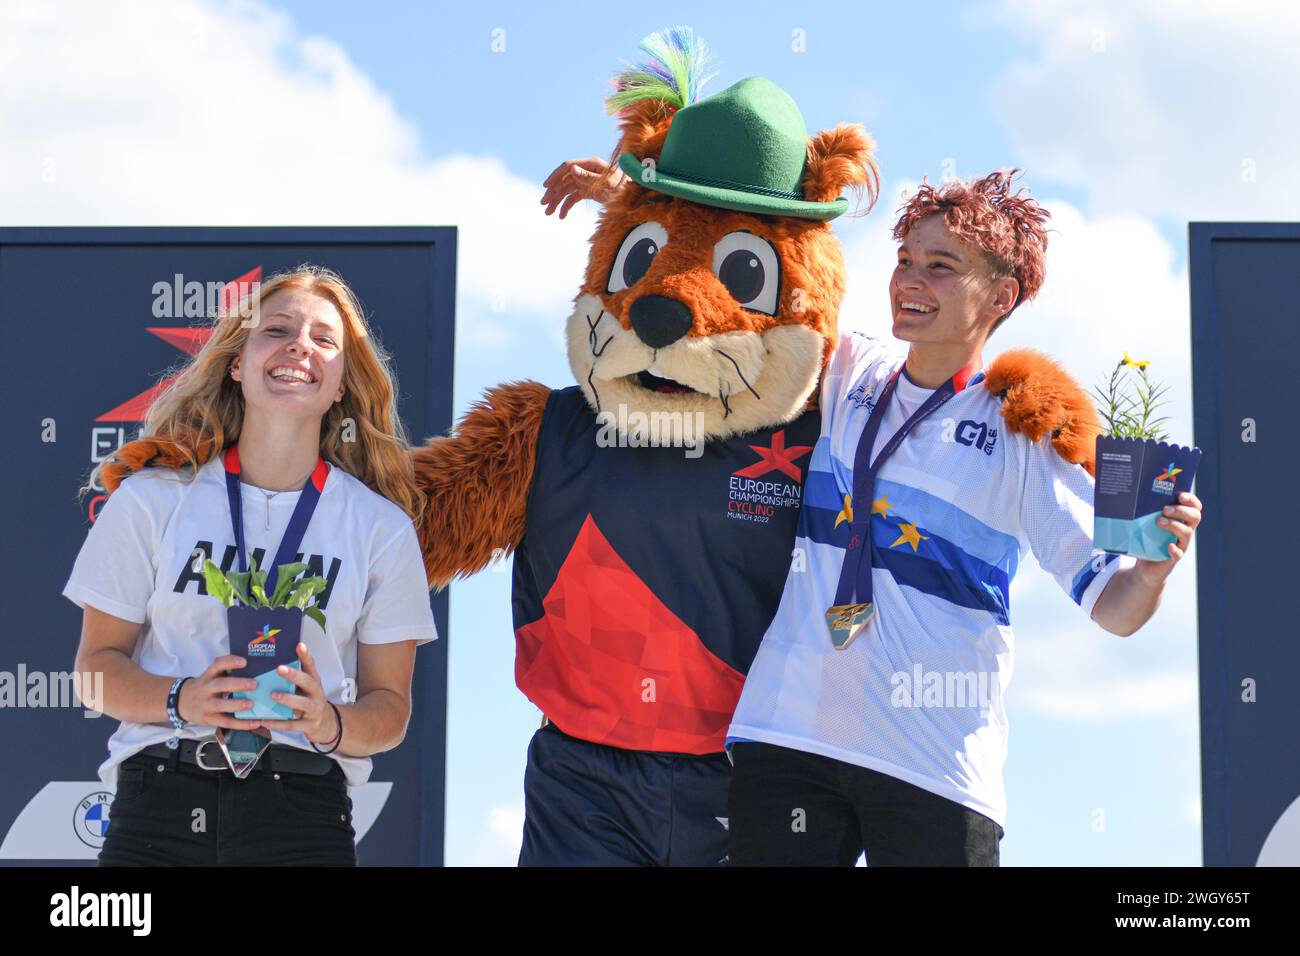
(402, 113)
(539, 98)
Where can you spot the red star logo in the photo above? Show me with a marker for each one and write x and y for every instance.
(189, 341)
(777, 458)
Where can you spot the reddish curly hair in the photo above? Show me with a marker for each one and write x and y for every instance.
(1009, 227)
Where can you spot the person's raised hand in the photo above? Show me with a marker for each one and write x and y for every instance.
(576, 179)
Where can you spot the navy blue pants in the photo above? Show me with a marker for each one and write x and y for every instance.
(586, 804)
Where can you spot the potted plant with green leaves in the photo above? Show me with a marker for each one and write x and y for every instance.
(1138, 472)
(265, 630)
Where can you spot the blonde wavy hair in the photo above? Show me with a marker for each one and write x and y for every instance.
(202, 412)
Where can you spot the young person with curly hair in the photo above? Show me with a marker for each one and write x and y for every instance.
(873, 719)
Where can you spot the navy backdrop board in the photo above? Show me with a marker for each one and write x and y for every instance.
(85, 343)
(1245, 357)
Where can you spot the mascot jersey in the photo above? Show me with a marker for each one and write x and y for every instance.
(646, 577)
(919, 694)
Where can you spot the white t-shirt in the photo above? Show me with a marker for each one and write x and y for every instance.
(139, 563)
(919, 694)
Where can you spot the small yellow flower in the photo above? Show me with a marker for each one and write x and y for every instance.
(1133, 363)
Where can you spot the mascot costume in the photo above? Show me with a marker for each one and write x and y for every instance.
(651, 508)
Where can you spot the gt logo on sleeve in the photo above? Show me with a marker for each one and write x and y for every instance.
(970, 433)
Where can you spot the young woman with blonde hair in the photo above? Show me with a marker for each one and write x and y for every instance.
(279, 442)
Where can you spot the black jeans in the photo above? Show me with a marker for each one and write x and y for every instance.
(169, 813)
(790, 808)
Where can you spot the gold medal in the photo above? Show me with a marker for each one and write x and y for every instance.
(847, 621)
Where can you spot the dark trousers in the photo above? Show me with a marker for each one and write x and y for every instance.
(586, 804)
(176, 814)
(790, 808)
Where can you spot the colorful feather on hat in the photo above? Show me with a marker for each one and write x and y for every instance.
(677, 70)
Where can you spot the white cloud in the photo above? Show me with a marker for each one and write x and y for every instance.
(184, 113)
(1116, 698)
(503, 831)
(1170, 108)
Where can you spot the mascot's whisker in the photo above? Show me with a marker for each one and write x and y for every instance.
(591, 334)
(739, 372)
(596, 353)
(592, 385)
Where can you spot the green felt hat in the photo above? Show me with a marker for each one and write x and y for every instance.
(744, 149)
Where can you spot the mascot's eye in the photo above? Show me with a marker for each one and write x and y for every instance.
(636, 255)
(748, 266)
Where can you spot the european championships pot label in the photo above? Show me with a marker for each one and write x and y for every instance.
(265, 637)
(1136, 479)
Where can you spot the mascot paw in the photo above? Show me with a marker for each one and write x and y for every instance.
(152, 452)
(1039, 398)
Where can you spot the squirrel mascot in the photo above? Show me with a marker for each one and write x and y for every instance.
(651, 508)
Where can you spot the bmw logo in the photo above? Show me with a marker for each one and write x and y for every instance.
(91, 818)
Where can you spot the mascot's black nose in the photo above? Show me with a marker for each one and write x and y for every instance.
(659, 320)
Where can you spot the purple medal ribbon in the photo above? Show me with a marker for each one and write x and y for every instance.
(293, 534)
(854, 607)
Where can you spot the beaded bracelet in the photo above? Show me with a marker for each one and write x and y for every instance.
(173, 712)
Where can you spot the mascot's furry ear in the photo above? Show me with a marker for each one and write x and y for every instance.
(643, 127)
(838, 159)
(647, 95)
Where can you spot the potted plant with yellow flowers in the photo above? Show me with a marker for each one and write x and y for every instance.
(1138, 472)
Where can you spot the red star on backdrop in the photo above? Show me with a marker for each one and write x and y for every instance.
(189, 341)
(777, 458)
